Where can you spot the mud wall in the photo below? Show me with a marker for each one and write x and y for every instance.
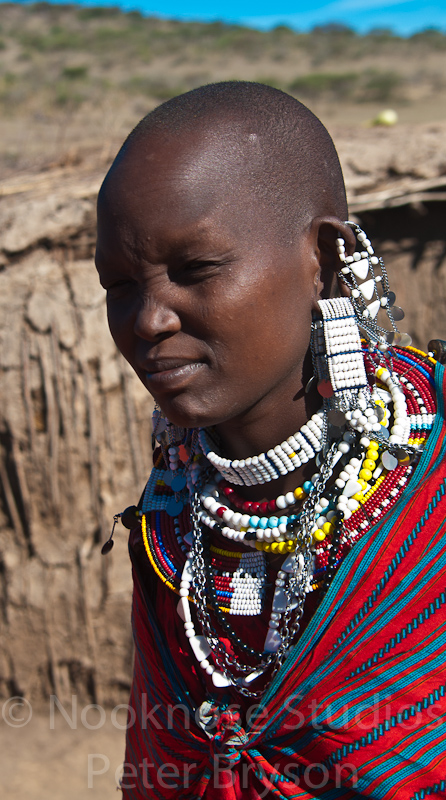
(75, 449)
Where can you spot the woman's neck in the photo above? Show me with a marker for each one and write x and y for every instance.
(259, 430)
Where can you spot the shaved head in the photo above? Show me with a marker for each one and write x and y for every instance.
(217, 227)
(257, 140)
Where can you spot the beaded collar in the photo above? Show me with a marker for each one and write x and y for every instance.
(231, 580)
(380, 476)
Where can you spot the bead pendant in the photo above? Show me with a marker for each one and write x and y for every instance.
(178, 483)
(325, 388)
(336, 418)
(360, 268)
(273, 641)
(279, 601)
(160, 425)
(389, 461)
(200, 647)
(397, 313)
(219, 680)
(367, 289)
(248, 679)
(351, 488)
(174, 507)
(167, 477)
(183, 609)
(373, 308)
(187, 575)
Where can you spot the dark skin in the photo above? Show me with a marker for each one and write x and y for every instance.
(209, 306)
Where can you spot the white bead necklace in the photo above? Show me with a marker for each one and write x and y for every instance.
(280, 460)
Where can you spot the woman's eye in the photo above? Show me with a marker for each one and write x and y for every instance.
(119, 289)
(191, 265)
(198, 270)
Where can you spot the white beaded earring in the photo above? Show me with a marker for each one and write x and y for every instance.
(366, 277)
(339, 365)
(336, 345)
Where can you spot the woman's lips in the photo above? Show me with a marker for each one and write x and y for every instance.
(171, 376)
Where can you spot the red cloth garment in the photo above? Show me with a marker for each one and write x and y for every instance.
(357, 710)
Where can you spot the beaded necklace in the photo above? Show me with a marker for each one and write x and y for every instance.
(280, 460)
(375, 468)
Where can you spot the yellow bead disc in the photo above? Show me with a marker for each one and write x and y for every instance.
(299, 493)
(319, 535)
(372, 455)
(274, 547)
(368, 464)
(365, 474)
(327, 528)
(373, 446)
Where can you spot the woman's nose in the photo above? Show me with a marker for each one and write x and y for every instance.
(156, 319)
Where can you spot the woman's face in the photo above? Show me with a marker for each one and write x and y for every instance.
(210, 309)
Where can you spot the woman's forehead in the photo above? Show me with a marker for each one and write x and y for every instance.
(200, 162)
(195, 183)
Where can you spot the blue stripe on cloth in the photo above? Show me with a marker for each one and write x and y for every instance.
(402, 761)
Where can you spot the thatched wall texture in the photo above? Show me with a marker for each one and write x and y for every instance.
(75, 423)
(75, 449)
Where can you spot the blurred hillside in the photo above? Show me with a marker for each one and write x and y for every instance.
(74, 81)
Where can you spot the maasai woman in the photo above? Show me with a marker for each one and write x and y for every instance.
(289, 599)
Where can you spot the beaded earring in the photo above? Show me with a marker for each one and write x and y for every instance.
(337, 352)
(339, 365)
(177, 445)
(366, 277)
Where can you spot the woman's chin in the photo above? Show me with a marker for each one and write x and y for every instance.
(185, 414)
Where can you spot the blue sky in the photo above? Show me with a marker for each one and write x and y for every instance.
(404, 17)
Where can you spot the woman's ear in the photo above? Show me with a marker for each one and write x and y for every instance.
(325, 231)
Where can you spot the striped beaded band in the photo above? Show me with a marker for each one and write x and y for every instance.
(343, 349)
(280, 460)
